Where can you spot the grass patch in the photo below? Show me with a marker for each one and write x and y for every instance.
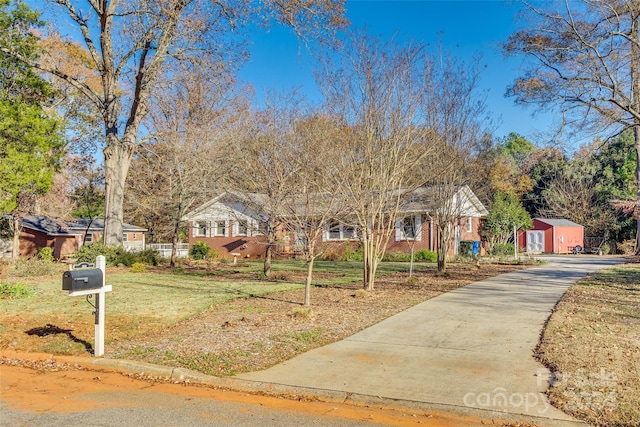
(14, 290)
(142, 302)
(592, 344)
(307, 337)
(139, 303)
(32, 267)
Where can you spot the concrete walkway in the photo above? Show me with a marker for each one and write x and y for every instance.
(468, 351)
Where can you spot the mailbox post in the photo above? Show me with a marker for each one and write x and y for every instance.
(90, 282)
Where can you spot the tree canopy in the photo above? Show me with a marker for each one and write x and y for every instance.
(130, 43)
(583, 60)
(31, 139)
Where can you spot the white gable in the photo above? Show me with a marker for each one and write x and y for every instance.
(468, 204)
(221, 208)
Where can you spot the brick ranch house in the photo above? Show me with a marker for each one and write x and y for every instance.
(231, 224)
(65, 237)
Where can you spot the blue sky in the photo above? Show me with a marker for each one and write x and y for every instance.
(467, 27)
(280, 61)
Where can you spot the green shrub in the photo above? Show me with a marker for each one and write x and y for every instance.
(114, 255)
(199, 250)
(502, 249)
(396, 257)
(89, 252)
(15, 290)
(465, 249)
(213, 254)
(425, 255)
(125, 258)
(139, 267)
(46, 254)
(30, 267)
(149, 257)
(357, 255)
(331, 256)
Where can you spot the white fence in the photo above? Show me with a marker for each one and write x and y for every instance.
(182, 249)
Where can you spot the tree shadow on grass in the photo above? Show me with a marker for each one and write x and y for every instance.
(50, 329)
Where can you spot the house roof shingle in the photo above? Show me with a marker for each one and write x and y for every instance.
(59, 227)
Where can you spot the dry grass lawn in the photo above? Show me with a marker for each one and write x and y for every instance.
(592, 344)
(223, 321)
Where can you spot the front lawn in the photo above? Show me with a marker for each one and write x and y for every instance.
(592, 344)
(51, 321)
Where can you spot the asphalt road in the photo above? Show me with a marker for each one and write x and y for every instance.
(155, 411)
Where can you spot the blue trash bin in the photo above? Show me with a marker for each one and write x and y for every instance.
(475, 249)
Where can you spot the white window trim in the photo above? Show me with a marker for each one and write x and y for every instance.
(196, 229)
(326, 235)
(216, 228)
(469, 224)
(400, 235)
(236, 228)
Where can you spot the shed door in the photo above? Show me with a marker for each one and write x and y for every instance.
(535, 241)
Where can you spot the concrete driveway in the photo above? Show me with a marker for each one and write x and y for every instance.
(468, 351)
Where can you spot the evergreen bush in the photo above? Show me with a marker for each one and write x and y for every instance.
(425, 255)
(199, 250)
(46, 254)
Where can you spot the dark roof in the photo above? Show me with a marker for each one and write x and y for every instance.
(558, 222)
(50, 226)
(418, 200)
(60, 227)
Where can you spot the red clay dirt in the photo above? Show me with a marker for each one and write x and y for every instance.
(62, 384)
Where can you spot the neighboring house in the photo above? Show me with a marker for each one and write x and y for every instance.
(65, 237)
(231, 224)
(553, 235)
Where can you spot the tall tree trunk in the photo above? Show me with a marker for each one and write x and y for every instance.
(636, 210)
(368, 260)
(635, 87)
(15, 251)
(174, 241)
(271, 239)
(373, 266)
(117, 158)
(307, 287)
(412, 245)
(443, 246)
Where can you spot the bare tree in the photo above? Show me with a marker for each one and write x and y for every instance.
(455, 114)
(573, 194)
(312, 204)
(376, 90)
(129, 44)
(193, 128)
(584, 61)
(267, 165)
